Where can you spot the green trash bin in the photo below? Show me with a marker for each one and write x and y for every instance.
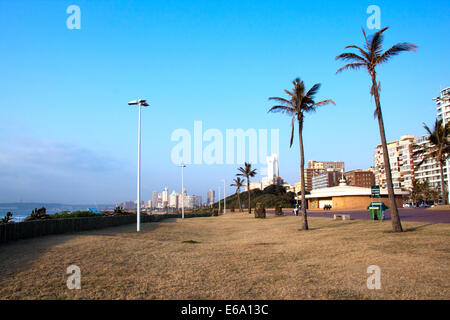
(377, 211)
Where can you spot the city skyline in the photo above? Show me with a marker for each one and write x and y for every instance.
(69, 136)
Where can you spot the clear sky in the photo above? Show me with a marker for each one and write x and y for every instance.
(67, 134)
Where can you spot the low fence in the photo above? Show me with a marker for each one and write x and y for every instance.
(38, 228)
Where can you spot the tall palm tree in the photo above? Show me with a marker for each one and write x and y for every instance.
(370, 58)
(296, 106)
(438, 149)
(238, 183)
(248, 173)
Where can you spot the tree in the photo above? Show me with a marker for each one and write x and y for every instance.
(248, 173)
(296, 106)
(417, 192)
(437, 149)
(238, 183)
(370, 58)
(7, 218)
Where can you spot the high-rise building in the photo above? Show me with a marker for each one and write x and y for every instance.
(323, 166)
(429, 170)
(173, 200)
(211, 197)
(360, 178)
(272, 166)
(165, 198)
(309, 174)
(154, 199)
(326, 180)
(443, 105)
(401, 161)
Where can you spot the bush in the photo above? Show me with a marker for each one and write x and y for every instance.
(278, 211)
(75, 214)
(7, 218)
(38, 214)
(260, 211)
(119, 211)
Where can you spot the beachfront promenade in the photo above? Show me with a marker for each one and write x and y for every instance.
(406, 214)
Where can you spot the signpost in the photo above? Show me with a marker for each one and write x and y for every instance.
(376, 192)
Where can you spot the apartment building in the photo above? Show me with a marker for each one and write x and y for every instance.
(326, 180)
(401, 161)
(360, 178)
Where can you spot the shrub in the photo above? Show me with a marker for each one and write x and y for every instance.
(38, 214)
(278, 210)
(7, 218)
(119, 211)
(75, 214)
(260, 211)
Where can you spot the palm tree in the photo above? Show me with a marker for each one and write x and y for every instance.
(370, 58)
(296, 106)
(438, 149)
(248, 173)
(238, 183)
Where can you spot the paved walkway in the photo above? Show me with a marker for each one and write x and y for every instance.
(406, 214)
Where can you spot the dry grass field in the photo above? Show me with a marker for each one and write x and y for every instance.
(233, 257)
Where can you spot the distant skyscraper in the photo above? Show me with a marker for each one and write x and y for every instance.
(272, 166)
(173, 200)
(165, 195)
(211, 197)
(155, 199)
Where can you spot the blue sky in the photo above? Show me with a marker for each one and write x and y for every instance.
(67, 134)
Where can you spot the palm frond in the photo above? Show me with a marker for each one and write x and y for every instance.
(363, 53)
(324, 102)
(292, 132)
(282, 101)
(352, 66)
(376, 44)
(313, 91)
(282, 109)
(348, 56)
(395, 50)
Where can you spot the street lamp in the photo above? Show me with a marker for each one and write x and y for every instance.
(140, 103)
(182, 166)
(224, 198)
(219, 200)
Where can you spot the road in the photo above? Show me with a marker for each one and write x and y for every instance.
(406, 214)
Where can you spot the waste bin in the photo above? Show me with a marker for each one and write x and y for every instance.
(377, 211)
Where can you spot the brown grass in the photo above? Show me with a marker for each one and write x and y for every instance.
(233, 257)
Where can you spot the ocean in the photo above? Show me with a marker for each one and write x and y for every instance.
(22, 210)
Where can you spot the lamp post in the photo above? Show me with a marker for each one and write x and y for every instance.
(219, 200)
(140, 103)
(224, 198)
(182, 166)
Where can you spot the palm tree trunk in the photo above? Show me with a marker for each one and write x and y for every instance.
(302, 175)
(444, 195)
(239, 201)
(248, 190)
(396, 224)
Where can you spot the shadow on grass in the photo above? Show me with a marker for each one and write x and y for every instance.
(410, 229)
(191, 242)
(333, 226)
